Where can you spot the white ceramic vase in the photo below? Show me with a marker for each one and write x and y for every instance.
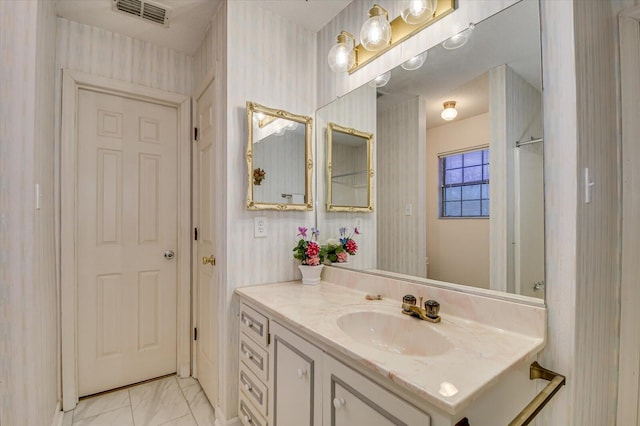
(310, 274)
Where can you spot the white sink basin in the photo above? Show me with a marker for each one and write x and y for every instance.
(398, 334)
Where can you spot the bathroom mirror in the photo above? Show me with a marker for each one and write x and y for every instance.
(349, 169)
(458, 203)
(279, 159)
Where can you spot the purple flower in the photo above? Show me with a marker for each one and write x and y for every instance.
(343, 231)
(302, 232)
(356, 231)
(315, 232)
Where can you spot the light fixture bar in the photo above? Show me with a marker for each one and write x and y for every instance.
(401, 31)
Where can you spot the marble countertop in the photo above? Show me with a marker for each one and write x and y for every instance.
(477, 354)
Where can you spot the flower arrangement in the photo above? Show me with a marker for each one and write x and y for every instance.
(308, 251)
(346, 239)
(338, 249)
(335, 251)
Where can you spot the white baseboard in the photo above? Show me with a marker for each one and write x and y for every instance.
(58, 415)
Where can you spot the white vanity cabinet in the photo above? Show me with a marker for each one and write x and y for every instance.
(304, 386)
(297, 379)
(253, 378)
(351, 399)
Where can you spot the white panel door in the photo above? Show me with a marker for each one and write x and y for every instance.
(127, 220)
(206, 302)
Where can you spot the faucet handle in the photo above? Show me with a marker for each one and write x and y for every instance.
(408, 300)
(432, 308)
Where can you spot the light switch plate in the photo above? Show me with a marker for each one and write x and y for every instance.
(259, 227)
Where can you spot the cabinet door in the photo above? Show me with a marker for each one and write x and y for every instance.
(351, 399)
(297, 379)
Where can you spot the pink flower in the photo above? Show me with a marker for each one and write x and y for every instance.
(342, 256)
(313, 261)
(313, 249)
(351, 247)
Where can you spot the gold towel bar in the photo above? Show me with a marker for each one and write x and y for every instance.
(535, 406)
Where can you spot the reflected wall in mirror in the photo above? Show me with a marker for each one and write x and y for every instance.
(279, 159)
(349, 169)
(447, 211)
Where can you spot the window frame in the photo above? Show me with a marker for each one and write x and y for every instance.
(442, 187)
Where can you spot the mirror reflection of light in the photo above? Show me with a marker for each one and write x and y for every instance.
(415, 62)
(380, 80)
(460, 39)
(292, 126)
(447, 389)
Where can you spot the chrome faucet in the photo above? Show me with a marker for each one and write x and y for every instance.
(428, 313)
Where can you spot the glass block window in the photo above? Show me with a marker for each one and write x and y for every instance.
(464, 184)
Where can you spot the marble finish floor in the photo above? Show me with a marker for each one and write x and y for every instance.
(169, 401)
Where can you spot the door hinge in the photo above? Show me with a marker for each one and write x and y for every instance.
(195, 333)
(195, 134)
(195, 234)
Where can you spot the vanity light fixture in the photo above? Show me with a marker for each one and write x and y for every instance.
(378, 35)
(449, 112)
(418, 11)
(375, 33)
(381, 80)
(460, 39)
(342, 56)
(415, 62)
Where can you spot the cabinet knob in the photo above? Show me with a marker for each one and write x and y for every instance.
(248, 322)
(248, 355)
(338, 403)
(247, 387)
(247, 419)
(301, 372)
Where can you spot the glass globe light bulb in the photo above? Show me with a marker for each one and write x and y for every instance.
(341, 56)
(418, 11)
(375, 33)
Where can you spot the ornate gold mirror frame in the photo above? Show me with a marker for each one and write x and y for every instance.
(271, 114)
(331, 127)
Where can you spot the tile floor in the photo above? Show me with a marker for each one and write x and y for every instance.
(170, 401)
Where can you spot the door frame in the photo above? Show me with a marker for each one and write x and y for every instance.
(629, 361)
(72, 82)
(195, 210)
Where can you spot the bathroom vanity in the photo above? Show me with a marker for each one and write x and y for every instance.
(325, 355)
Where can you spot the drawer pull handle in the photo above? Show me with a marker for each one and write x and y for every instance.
(248, 322)
(338, 403)
(248, 419)
(248, 355)
(247, 387)
(301, 372)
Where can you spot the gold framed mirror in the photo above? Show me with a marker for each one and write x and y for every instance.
(279, 159)
(349, 169)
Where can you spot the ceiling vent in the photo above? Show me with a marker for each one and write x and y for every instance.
(143, 9)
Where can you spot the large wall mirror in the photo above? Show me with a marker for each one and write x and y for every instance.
(279, 159)
(460, 201)
(349, 169)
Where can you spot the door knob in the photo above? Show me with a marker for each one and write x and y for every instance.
(210, 260)
(169, 254)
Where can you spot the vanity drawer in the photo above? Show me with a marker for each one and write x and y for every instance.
(254, 356)
(253, 389)
(254, 324)
(248, 414)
